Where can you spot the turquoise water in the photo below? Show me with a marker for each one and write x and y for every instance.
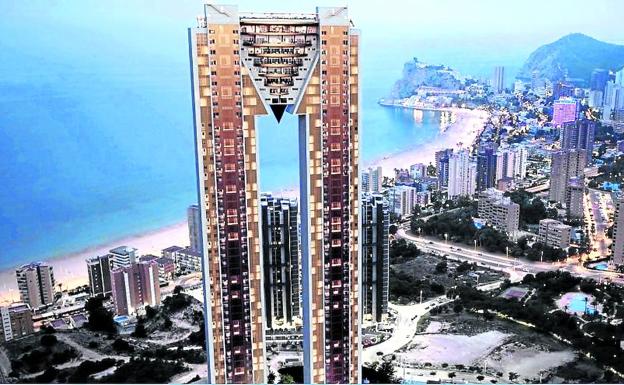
(576, 303)
(96, 136)
(601, 266)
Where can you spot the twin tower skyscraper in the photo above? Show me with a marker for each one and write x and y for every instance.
(243, 66)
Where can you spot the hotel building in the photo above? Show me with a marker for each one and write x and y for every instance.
(99, 275)
(244, 66)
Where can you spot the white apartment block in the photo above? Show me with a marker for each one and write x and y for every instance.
(554, 233)
(499, 211)
(462, 180)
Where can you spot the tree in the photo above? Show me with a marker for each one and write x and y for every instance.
(139, 331)
(48, 340)
(178, 289)
(286, 379)
(441, 267)
(480, 377)
(513, 376)
(150, 312)
(100, 319)
(458, 308)
(451, 375)
(271, 377)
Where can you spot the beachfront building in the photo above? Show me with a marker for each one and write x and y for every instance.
(372, 180)
(186, 260)
(579, 135)
(402, 199)
(565, 110)
(280, 255)
(554, 233)
(499, 211)
(166, 267)
(35, 282)
(617, 250)
(462, 175)
(248, 65)
(15, 321)
(564, 165)
(442, 166)
(122, 256)
(99, 269)
(375, 216)
(193, 219)
(511, 162)
(135, 287)
(575, 191)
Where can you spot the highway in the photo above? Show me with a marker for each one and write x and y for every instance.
(598, 215)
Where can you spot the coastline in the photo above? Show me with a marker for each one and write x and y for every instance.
(465, 129)
(71, 269)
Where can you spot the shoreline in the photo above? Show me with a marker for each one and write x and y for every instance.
(465, 129)
(71, 269)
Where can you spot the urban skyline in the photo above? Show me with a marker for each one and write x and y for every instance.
(482, 243)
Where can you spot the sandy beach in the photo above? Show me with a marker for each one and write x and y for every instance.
(71, 269)
(464, 129)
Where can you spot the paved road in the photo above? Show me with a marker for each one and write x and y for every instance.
(598, 211)
(516, 268)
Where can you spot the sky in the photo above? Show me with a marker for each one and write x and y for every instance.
(468, 35)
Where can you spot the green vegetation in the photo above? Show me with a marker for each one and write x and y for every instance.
(87, 368)
(145, 371)
(100, 319)
(532, 209)
(401, 251)
(383, 373)
(459, 227)
(602, 340)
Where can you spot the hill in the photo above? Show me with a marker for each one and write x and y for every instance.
(417, 74)
(573, 56)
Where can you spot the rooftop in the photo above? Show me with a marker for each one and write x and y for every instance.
(123, 250)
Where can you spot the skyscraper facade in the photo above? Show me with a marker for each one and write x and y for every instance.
(245, 65)
(35, 282)
(579, 135)
(564, 110)
(375, 257)
(442, 166)
(462, 176)
(135, 286)
(486, 169)
(280, 254)
(498, 80)
(99, 275)
(618, 233)
(565, 164)
(193, 219)
(372, 180)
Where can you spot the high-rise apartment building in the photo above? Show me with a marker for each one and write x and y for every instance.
(462, 175)
(35, 282)
(486, 169)
(375, 257)
(243, 66)
(564, 110)
(618, 233)
(193, 218)
(579, 135)
(565, 164)
(402, 199)
(442, 166)
(499, 211)
(122, 256)
(511, 162)
(574, 197)
(135, 286)
(372, 180)
(418, 170)
(99, 275)
(15, 321)
(598, 80)
(554, 233)
(280, 254)
(498, 80)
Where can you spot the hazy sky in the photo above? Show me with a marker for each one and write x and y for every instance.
(469, 35)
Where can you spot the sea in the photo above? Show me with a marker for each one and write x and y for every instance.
(96, 134)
